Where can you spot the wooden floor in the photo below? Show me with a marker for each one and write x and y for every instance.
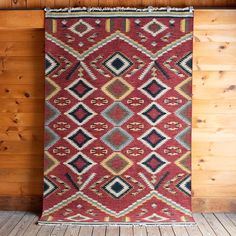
(23, 224)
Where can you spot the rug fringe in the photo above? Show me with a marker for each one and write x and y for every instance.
(125, 224)
(118, 9)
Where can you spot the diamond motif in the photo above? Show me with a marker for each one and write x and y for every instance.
(155, 218)
(117, 64)
(154, 138)
(185, 185)
(80, 113)
(154, 27)
(50, 64)
(117, 163)
(80, 138)
(49, 187)
(154, 113)
(50, 137)
(186, 63)
(153, 163)
(117, 139)
(81, 28)
(79, 163)
(117, 187)
(51, 113)
(184, 113)
(80, 89)
(154, 88)
(117, 113)
(185, 88)
(117, 88)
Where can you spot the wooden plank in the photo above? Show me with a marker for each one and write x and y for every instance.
(21, 49)
(62, 3)
(99, 231)
(33, 228)
(11, 223)
(219, 121)
(22, 133)
(211, 63)
(5, 4)
(34, 64)
(227, 223)
(112, 231)
(26, 147)
(18, 3)
(21, 203)
(23, 224)
(211, 148)
(59, 230)
(124, 231)
(206, 190)
(21, 175)
(166, 231)
(180, 231)
(86, 230)
(215, 163)
(215, 225)
(203, 225)
(33, 3)
(72, 230)
(214, 20)
(139, 230)
(215, 35)
(21, 119)
(213, 134)
(45, 230)
(21, 161)
(4, 216)
(21, 91)
(216, 106)
(24, 19)
(18, 189)
(215, 49)
(153, 231)
(24, 35)
(232, 217)
(28, 108)
(193, 230)
(213, 79)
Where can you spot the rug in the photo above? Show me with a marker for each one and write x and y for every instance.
(118, 116)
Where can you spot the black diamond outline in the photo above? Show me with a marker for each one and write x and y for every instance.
(73, 89)
(125, 69)
(72, 163)
(162, 88)
(153, 131)
(117, 177)
(153, 106)
(88, 114)
(80, 131)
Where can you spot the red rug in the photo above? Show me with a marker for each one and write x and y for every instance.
(118, 116)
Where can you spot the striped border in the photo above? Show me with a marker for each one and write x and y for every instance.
(119, 12)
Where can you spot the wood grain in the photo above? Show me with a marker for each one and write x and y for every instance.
(22, 104)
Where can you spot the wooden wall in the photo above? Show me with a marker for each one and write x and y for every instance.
(22, 100)
(65, 3)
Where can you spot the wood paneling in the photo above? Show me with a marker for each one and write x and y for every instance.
(113, 3)
(22, 105)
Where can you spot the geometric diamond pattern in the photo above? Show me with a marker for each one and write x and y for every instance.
(117, 116)
(117, 63)
(117, 139)
(80, 138)
(117, 163)
(117, 113)
(117, 187)
(154, 163)
(117, 88)
(154, 88)
(80, 113)
(154, 27)
(79, 163)
(153, 138)
(154, 113)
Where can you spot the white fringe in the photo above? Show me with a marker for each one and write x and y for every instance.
(123, 224)
(120, 9)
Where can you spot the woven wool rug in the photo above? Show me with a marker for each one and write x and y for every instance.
(118, 116)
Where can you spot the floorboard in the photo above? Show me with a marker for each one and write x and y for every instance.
(17, 223)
